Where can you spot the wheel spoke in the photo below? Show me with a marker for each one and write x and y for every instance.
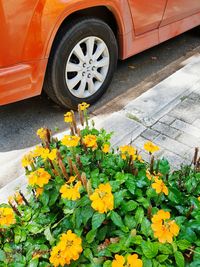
(74, 81)
(90, 46)
(81, 89)
(100, 49)
(91, 86)
(98, 76)
(102, 63)
(79, 53)
(71, 67)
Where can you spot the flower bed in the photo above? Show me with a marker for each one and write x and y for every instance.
(91, 206)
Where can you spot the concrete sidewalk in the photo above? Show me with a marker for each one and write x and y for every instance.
(168, 114)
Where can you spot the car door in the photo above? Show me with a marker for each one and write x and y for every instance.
(179, 9)
(15, 17)
(147, 15)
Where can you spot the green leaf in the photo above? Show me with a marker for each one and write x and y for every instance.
(77, 218)
(149, 249)
(34, 228)
(165, 248)
(131, 185)
(97, 220)
(162, 258)
(99, 154)
(117, 220)
(115, 248)
(86, 213)
(175, 196)
(151, 193)
(44, 198)
(17, 232)
(102, 232)
(95, 178)
(139, 215)
(183, 244)
(2, 255)
(146, 227)
(119, 176)
(118, 198)
(196, 254)
(164, 166)
(88, 254)
(179, 259)
(33, 263)
(53, 197)
(129, 206)
(130, 221)
(49, 236)
(188, 234)
(146, 262)
(107, 263)
(91, 236)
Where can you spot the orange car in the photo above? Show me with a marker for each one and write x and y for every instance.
(70, 47)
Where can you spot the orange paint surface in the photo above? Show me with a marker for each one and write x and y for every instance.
(28, 29)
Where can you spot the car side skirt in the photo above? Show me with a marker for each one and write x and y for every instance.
(21, 81)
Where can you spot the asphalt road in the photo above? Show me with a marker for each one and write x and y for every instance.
(19, 121)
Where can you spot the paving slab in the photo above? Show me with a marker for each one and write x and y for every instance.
(159, 100)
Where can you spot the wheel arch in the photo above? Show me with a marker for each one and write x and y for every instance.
(105, 13)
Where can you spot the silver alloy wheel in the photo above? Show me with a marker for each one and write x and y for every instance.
(87, 67)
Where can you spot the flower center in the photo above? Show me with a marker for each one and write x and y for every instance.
(69, 243)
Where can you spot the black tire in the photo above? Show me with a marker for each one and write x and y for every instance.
(55, 83)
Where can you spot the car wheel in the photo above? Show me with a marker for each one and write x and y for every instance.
(81, 66)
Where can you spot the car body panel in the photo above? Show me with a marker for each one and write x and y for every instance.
(25, 48)
(147, 15)
(179, 9)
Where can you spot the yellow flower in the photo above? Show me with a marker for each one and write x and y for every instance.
(71, 179)
(68, 117)
(152, 176)
(139, 158)
(39, 191)
(83, 106)
(69, 248)
(106, 148)
(42, 133)
(70, 140)
(119, 261)
(53, 154)
(45, 153)
(7, 216)
(71, 192)
(39, 177)
(27, 159)
(149, 175)
(159, 186)
(102, 198)
(41, 152)
(163, 228)
(127, 150)
(132, 261)
(199, 198)
(11, 199)
(90, 140)
(151, 147)
(19, 198)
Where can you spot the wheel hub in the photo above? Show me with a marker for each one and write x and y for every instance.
(87, 67)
